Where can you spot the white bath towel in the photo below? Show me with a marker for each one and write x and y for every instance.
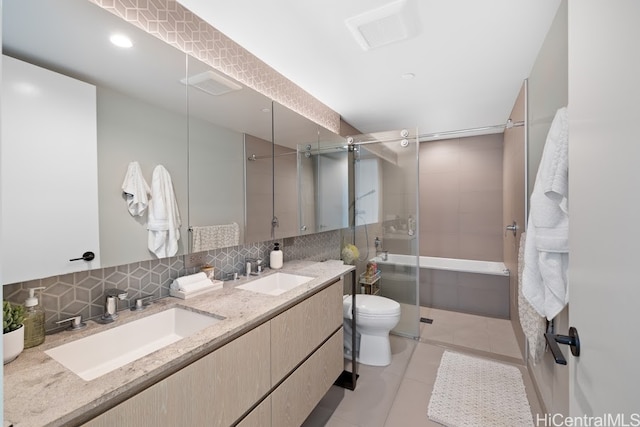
(214, 236)
(136, 190)
(546, 253)
(163, 220)
(533, 324)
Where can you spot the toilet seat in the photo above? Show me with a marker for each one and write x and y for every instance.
(371, 306)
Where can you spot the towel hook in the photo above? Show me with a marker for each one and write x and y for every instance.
(512, 227)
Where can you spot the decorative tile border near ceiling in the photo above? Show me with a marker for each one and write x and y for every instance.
(173, 23)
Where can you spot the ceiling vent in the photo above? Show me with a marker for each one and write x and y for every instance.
(212, 83)
(387, 24)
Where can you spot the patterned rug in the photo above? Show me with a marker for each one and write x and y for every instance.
(473, 392)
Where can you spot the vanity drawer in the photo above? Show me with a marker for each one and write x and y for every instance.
(301, 329)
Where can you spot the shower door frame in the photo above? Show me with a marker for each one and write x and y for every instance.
(379, 138)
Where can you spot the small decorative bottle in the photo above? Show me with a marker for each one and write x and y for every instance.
(33, 321)
(275, 257)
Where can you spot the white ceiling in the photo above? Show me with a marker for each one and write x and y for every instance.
(469, 57)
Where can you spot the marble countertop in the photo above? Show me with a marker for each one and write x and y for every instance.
(38, 391)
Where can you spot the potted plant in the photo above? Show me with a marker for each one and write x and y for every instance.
(12, 331)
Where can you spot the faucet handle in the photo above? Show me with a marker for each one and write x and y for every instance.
(76, 323)
(140, 303)
(114, 292)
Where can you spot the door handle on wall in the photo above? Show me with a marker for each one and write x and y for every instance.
(87, 256)
(572, 340)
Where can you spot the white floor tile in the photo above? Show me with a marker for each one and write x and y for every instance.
(398, 394)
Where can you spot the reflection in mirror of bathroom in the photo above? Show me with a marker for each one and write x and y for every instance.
(140, 115)
(322, 195)
(141, 109)
(223, 117)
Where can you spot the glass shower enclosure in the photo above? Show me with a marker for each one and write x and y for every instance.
(384, 216)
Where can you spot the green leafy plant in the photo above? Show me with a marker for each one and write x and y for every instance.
(13, 316)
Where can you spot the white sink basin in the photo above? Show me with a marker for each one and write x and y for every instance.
(97, 354)
(276, 284)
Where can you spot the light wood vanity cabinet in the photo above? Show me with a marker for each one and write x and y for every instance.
(282, 367)
(301, 329)
(213, 391)
(295, 398)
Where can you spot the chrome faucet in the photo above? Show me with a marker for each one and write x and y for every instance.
(111, 305)
(384, 255)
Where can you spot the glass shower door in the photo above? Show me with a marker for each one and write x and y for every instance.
(386, 213)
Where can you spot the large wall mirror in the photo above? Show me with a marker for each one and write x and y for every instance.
(310, 176)
(92, 109)
(64, 163)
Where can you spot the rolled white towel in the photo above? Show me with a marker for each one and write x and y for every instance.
(185, 283)
(197, 286)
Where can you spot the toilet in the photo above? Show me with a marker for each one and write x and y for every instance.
(375, 317)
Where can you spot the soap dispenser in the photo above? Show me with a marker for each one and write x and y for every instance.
(33, 320)
(275, 257)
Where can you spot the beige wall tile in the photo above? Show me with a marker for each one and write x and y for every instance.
(461, 192)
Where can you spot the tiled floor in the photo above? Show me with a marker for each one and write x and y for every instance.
(398, 395)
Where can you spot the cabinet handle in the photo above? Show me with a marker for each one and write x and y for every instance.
(87, 256)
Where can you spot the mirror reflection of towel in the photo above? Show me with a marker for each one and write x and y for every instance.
(163, 221)
(215, 236)
(136, 189)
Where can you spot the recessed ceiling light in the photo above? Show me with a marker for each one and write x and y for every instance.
(408, 76)
(121, 40)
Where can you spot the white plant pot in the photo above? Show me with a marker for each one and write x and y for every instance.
(13, 344)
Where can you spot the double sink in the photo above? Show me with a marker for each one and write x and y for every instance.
(103, 352)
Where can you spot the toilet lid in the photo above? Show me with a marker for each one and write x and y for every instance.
(374, 304)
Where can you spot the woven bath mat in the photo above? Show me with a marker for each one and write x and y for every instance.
(473, 392)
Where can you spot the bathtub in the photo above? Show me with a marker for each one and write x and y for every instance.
(469, 286)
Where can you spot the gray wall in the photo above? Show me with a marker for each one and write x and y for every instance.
(216, 175)
(131, 130)
(548, 91)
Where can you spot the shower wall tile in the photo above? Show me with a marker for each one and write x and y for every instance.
(480, 246)
(171, 22)
(461, 198)
(82, 293)
(439, 244)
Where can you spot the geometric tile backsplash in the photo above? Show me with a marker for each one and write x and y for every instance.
(83, 292)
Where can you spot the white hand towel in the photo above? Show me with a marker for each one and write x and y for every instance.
(546, 253)
(184, 281)
(136, 189)
(163, 220)
(215, 236)
(194, 287)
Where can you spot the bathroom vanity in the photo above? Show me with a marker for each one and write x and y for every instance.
(268, 361)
